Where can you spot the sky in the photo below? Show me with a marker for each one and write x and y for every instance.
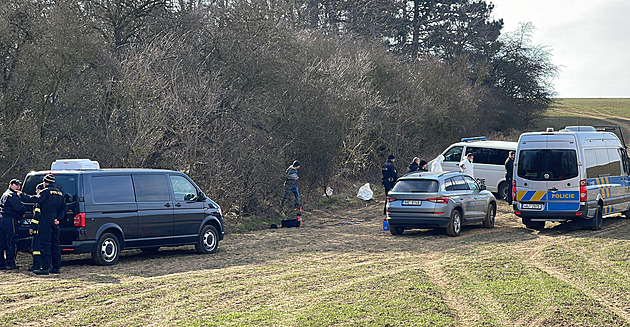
(589, 41)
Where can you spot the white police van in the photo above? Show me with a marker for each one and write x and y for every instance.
(578, 173)
(489, 162)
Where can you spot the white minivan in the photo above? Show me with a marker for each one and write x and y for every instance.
(489, 162)
(578, 173)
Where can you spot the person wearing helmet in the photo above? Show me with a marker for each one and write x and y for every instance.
(53, 210)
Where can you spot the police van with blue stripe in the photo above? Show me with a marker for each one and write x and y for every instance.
(578, 173)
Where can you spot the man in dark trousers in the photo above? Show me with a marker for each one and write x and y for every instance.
(35, 244)
(11, 211)
(390, 175)
(53, 210)
(509, 171)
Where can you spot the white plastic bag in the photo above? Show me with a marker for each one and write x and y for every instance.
(329, 191)
(365, 193)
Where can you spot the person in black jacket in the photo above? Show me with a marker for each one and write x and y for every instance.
(414, 166)
(509, 173)
(35, 243)
(11, 211)
(390, 175)
(53, 210)
(423, 165)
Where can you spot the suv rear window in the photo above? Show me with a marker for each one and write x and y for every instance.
(416, 186)
(558, 164)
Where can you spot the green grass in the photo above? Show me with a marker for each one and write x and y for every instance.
(617, 107)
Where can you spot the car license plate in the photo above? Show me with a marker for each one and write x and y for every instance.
(412, 202)
(536, 206)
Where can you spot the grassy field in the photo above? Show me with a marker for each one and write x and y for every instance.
(341, 269)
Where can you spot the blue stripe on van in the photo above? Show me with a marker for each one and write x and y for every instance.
(565, 196)
(528, 196)
(563, 206)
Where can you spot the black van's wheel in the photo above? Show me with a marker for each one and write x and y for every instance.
(536, 225)
(504, 188)
(107, 250)
(396, 230)
(490, 215)
(208, 240)
(151, 250)
(597, 222)
(455, 225)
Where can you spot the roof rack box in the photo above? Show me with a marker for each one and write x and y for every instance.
(75, 164)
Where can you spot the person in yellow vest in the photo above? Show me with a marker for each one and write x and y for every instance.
(36, 244)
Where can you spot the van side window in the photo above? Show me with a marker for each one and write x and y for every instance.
(112, 189)
(183, 189)
(151, 188)
(489, 156)
(602, 163)
(454, 154)
(614, 167)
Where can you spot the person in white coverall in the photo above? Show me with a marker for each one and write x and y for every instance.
(467, 165)
(436, 166)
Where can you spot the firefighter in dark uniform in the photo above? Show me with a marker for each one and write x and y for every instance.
(35, 245)
(53, 210)
(390, 175)
(509, 174)
(11, 212)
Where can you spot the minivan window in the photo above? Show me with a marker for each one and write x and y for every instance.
(454, 154)
(489, 156)
(416, 186)
(112, 189)
(557, 165)
(183, 189)
(151, 188)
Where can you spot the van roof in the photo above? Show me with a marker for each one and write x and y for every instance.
(106, 170)
(581, 135)
(504, 145)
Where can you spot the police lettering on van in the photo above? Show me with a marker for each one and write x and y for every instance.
(579, 173)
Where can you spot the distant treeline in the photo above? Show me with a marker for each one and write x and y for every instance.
(232, 91)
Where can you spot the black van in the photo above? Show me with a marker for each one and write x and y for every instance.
(114, 209)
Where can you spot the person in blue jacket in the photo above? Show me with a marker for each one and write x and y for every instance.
(11, 212)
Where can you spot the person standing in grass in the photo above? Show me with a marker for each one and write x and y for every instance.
(291, 183)
(390, 175)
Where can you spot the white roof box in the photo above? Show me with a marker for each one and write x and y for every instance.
(74, 164)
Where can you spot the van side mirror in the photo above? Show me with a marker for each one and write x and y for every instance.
(483, 187)
(201, 197)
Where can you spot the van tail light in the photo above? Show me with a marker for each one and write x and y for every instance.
(513, 189)
(390, 199)
(439, 200)
(79, 220)
(583, 190)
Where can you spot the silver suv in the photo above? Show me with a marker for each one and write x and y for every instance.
(439, 200)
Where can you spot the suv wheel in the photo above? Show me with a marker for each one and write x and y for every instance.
(208, 240)
(598, 220)
(455, 224)
(396, 230)
(490, 215)
(107, 250)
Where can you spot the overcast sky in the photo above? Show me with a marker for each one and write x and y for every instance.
(589, 41)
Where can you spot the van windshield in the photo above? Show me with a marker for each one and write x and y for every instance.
(416, 186)
(547, 165)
